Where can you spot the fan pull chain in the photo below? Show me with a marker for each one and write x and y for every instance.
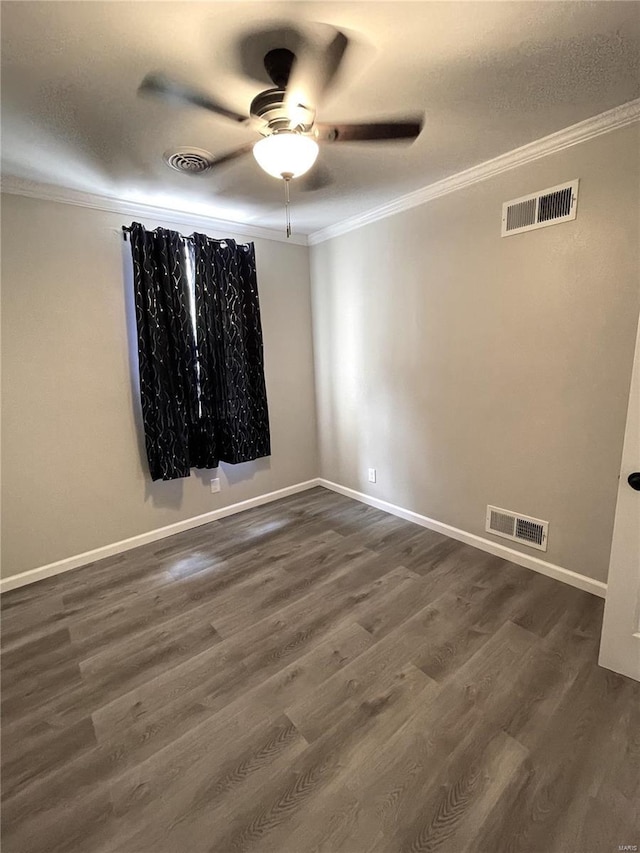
(287, 202)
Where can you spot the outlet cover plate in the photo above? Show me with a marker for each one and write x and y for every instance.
(215, 485)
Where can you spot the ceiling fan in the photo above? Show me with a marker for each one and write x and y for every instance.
(285, 115)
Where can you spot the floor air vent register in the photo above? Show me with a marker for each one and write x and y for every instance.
(519, 528)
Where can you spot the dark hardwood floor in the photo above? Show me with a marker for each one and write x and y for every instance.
(312, 675)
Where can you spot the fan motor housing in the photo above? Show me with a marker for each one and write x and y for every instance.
(269, 107)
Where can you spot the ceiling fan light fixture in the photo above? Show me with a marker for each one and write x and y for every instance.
(286, 153)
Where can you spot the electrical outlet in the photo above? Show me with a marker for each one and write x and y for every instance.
(372, 475)
(215, 485)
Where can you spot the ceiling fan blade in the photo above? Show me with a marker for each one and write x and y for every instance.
(171, 90)
(388, 131)
(231, 155)
(332, 60)
(313, 72)
(317, 179)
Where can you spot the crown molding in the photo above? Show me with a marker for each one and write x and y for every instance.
(110, 204)
(613, 119)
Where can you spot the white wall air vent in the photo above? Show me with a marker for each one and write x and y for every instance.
(518, 528)
(546, 207)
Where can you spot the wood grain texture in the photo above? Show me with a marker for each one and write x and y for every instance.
(312, 676)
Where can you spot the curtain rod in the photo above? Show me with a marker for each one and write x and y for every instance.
(126, 229)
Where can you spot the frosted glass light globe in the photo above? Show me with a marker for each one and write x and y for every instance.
(286, 153)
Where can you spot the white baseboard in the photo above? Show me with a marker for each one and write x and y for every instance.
(528, 561)
(57, 568)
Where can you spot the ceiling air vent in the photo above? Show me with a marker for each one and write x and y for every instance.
(518, 528)
(547, 207)
(192, 161)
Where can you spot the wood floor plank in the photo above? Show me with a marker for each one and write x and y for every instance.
(151, 703)
(34, 757)
(324, 707)
(466, 791)
(129, 615)
(29, 621)
(267, 824)
(134, 743)
(560, 762)
(36, 657)
(294, 580)
(182, 792)
(312, 676)
(81, 822)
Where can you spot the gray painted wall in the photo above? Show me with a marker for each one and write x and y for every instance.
(472, 369)
(74, 470)
(468, 369)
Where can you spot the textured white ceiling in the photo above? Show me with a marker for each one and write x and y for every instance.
(489, 77)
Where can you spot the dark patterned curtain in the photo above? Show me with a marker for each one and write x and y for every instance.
(232, 387)
(166, 350)
(203, 394)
